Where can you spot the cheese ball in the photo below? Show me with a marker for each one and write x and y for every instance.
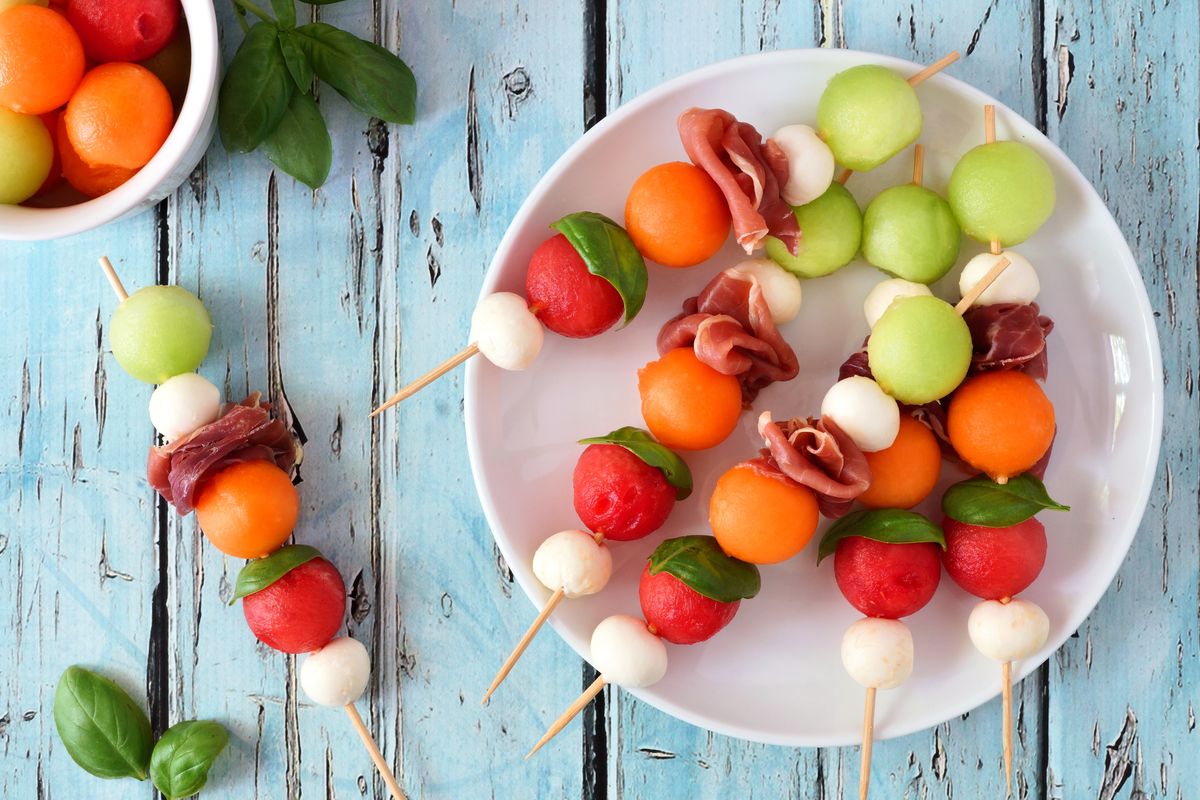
(878, 653)
(866, 413)
(506, 331)
(572, 561)
(810, 164)
(884, 292)
(337, 674)
(1008, 631)
(183, 404)
(626, 653)
(1018, 283)
(780, 289)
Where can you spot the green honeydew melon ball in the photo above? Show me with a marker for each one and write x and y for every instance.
(1003, 190)
(831, 230)
(919, 350)
(866, 115)
(25, 156)
(910, 232)
(160, 332)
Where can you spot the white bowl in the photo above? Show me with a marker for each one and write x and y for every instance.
(173, 162)
(775, 675)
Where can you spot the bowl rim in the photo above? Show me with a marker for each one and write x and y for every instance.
(21, 223)
(1147, 470)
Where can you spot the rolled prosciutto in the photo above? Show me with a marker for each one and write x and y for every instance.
(1009, 336)
(817, 454)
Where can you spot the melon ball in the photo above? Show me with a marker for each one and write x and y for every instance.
(506, 331)
(867, 114)
(878, 653)
(183, 404)
(780, 288)
(1002, 191)
(919, 350)
(831, 231)
(1018, 283)
(864, 412)
(26, 153)
(810, 164)
(884, 292)
(337, 674)
(160, 332)
(910, 232)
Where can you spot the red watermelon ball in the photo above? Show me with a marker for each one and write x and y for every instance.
(993, 563)
(887, 580)
(679, 613)
(618, 494)
(123, 30)
(570, 300)
(300, 612)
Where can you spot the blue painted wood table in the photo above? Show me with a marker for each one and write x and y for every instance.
(335, 297)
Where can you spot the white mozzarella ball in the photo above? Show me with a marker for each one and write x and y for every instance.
(810, 164)
(1017, 284)
(1008, 631)
(573, 561)
(884, 292)
(626, 653)
(780, 288)
(878, 653)
(183, 404)
(866, 413)
(337, 674)
(506, 331)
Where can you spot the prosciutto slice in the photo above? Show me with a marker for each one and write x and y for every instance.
(749, 172)
(730, 327)
(244, 432)
(816, 454)
(1009, 336)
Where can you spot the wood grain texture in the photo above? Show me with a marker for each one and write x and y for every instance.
(335, 298)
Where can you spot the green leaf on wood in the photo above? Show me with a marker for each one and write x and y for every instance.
(982, 501)
(296, 61)
(183, 756)
(642, 445)
(608, 252)
(373, 79)
(262, 572)
(103, 729)
(255, 91)
(300, 144)
(285, 12)
(700, 563)
(889, 525)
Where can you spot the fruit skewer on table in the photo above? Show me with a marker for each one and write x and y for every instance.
(232, 466)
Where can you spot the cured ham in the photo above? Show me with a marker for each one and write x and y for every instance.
(1009, 336)
(730, 327)
(244, 432)
(749, 172)
(816, 454)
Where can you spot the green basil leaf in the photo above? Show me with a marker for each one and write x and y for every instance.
(642, 445)
(373, 79)
(300, 144)
(296, 61)
(608, 252)
(322, 2)
(103, 729)
(700, 563)
(889, 525)
(255, 91)
(982, 501)
(285, 12)
(262, 572)
(183, 756)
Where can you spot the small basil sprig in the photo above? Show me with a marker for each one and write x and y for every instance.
(103, 729)
(642, 445)
(982, 501)
(609, 253)
(700, 563)
(267, 95)
(262, 572)
(183, 756)
(889, 525)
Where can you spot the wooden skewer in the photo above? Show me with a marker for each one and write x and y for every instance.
(1006, 694)
(980, 287)
(570, 713)
(918, 163)
(114, 279)
(368, 740)
(429, 377)
(519, 650)
(868, 739)
(989, 136)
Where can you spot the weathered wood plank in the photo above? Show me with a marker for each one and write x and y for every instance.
(1122, 102)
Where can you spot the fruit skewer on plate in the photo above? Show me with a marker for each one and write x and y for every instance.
(689, 590)
(625, 485)
(234, 465)
(579, 283)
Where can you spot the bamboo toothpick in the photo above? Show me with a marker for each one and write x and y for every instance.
(429, 377)
(918, 163)
(519, 650)
(569, 714)
(114, 279)
(979, 288)
(868, 740)
(989, 137)
(1006, 694)
(368, 741)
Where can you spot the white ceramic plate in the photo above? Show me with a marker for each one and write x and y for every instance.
(775, 674)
